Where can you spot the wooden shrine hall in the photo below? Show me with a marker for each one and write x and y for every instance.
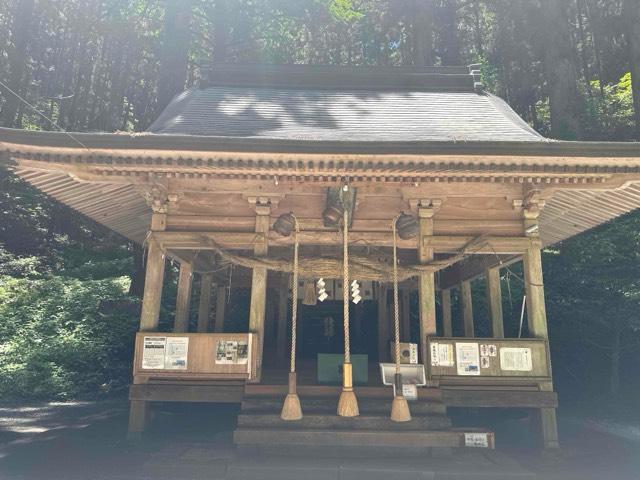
(206, 183)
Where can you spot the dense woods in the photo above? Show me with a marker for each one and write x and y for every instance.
(571, 68)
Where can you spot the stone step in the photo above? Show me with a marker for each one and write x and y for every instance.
(334, 422)
(367, 406)
(292, 438)
(333, 391)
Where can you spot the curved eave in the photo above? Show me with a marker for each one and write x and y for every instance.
(142, 144)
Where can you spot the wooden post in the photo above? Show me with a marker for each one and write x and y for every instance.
(257, 308)
(532, 206)
(154, 277)
(383, 329)
(467, 308)
(536, 312)
(204, 307)
(139, 412)
(447, 326)
(283, 310)
(426, 281)
(221, 303)
(406, 315)
(183, 300)
(494, 302)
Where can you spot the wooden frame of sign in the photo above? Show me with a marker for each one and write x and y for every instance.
(209, 356)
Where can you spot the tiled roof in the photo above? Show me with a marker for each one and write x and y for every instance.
(332, 114)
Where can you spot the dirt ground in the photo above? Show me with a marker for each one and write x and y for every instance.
(86, 440)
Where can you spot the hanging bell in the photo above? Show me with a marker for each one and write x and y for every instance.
(285, 224)
(332, 215)
(407, 226)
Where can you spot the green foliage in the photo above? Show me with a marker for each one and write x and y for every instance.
(610, 110)
(64, 338)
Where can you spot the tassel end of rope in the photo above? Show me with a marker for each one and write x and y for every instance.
(400, 407)
(348, 403)
(291, 409)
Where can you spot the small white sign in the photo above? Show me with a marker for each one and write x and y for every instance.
(177, 350)
(476, 440)
(467, 358)
(153, 349)
(516, 359)
(442, 355)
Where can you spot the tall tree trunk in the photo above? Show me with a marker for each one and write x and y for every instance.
(632, 33)
(450, 54)
(564, 98)
(175, 51)
(20, 34)
(423, 33)
(220, 32)
(477, 28)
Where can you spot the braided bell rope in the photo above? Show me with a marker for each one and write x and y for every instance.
(345, 285)
(396, 316)
(294, 294)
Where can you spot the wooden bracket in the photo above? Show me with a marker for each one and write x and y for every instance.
(264, 203)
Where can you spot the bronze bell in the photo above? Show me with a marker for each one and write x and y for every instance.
(407, 226)
(332, 215)
(285, 224)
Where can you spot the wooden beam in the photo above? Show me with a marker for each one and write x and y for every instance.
(183, 299)
(426, 281)
(447, 326)
(248, 240)
(471, 268)
(494, 302)
(154, 277)
(221, 303)
(257, 308)
(467, 309)
(204, 308)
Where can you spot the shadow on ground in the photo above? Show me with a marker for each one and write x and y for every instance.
(87, 441)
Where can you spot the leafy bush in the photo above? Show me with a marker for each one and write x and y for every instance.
(65, 338)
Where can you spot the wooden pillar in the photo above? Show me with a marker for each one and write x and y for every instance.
(139, 411)
(405, 309)
(204, 307)
(221, 303)
(383, 327)
(257, 307)
(447, 326)
(183, 300)
(426, 281)
(154, 277)
(282, 353)
(494, 302)
(467, 308)
(536, 312)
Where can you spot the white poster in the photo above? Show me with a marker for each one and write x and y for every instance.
(153, 349)
(232, 352)
(442, 355)
(477, 440)
(468, 358)
(176, 353)
(516, 359)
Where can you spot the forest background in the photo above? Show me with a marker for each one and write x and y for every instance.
(69, 289)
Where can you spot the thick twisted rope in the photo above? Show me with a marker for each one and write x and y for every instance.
(396, 316)
(345, 285)
(294, 294)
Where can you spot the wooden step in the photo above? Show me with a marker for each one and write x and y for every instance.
(330, 405)
(347, 438)
(258, 390)
(335, 422)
